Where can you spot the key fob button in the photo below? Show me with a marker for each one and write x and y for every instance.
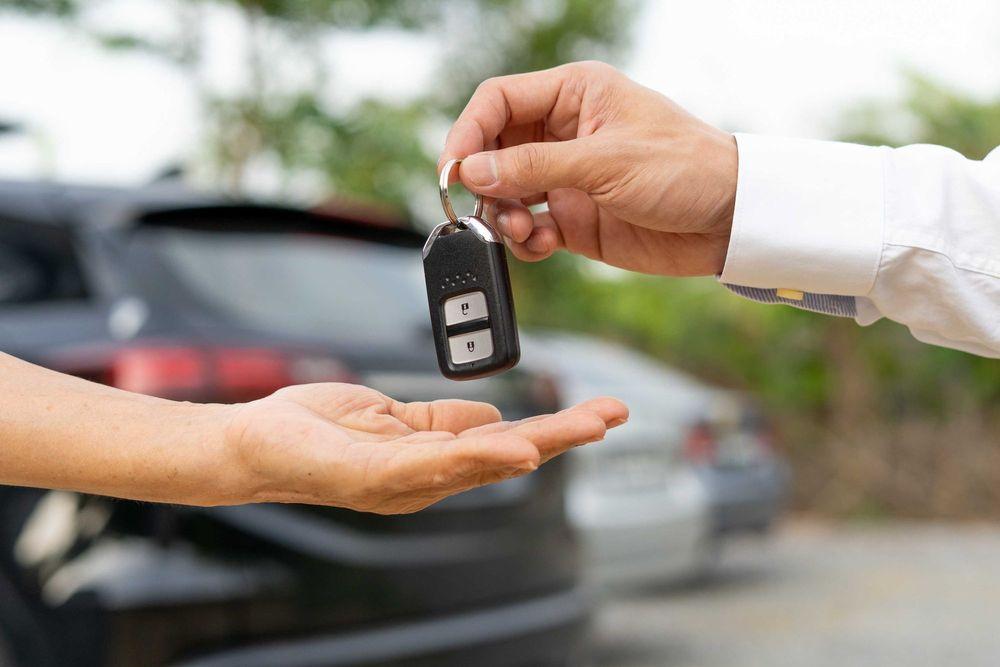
(465, 308)
(471, 346)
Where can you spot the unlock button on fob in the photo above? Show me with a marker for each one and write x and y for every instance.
(470, 347)
(465, 308)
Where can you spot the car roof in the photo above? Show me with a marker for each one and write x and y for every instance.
(110, 207)
(582, 353)
(67, 204)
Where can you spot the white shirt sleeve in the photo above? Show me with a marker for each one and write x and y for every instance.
(911, 234)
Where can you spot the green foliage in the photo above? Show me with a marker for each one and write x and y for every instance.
(526, 35)
(375, 149)
(57, 7)
(370, 152)
(929, 113)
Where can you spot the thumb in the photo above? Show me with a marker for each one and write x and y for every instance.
(527, 169)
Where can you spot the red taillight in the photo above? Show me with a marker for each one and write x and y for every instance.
(163, 371)
(217, 374)
(699, 446)
(246, 374)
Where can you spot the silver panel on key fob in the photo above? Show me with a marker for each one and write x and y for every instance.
(465, 308)
(471, 346)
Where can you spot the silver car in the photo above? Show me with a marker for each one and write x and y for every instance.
(656, 499)
(641, 508)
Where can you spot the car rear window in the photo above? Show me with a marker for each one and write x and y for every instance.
(38, 264)
(305, 285)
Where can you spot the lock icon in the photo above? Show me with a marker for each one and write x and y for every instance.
(471, 346)
(465, 308)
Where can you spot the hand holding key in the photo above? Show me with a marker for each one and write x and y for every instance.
(631, 179)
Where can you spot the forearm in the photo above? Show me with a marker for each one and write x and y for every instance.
(66, 433)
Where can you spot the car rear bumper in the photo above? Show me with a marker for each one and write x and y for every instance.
(549, 630)
(745, 498)
(641, 536)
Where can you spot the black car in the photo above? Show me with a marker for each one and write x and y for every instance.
(192, 297)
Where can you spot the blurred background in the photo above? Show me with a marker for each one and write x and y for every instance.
(200, 199)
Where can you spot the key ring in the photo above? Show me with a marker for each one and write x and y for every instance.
(446, 200)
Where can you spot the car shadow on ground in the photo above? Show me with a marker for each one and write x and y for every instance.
(624, 652)
(725, 579)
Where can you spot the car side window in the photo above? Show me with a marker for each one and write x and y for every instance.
(37, 265)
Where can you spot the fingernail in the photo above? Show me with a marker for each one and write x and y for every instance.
(480, 169)
(503, 222)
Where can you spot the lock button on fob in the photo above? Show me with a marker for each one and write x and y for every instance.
(471, 346)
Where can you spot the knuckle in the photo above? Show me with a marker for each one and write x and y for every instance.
(595, 69)
(529, 163)
(424, 419)
(488, 86)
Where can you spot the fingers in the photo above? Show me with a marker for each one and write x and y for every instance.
(428, 467)
(527, 169)
(437, 468)
(542, 241)
(572, 222)
(554, 434)
(515, 100)
(513, 219)
(560, 432)
(451, 415)
(611, 410)
(541, 122)
(555, 98)
(531, 237)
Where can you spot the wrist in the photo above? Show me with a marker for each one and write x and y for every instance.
(214, 473)
(722, 162)
(724, 175)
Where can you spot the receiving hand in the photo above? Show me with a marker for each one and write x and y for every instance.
(350, 446)
(631, 179)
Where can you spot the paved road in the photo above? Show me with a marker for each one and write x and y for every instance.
(817, 595)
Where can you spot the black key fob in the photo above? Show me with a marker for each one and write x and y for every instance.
(469, 295)
(468, 292)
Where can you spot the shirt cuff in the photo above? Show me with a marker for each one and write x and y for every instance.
(808, 216)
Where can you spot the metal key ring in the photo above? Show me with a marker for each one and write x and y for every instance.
(446, 199)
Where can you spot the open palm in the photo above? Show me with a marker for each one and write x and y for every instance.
(351, 446)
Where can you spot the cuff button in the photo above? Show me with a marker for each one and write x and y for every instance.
(790, 294)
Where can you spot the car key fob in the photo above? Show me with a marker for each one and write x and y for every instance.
(469, 295)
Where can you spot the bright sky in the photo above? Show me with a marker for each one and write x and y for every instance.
(767, 66)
